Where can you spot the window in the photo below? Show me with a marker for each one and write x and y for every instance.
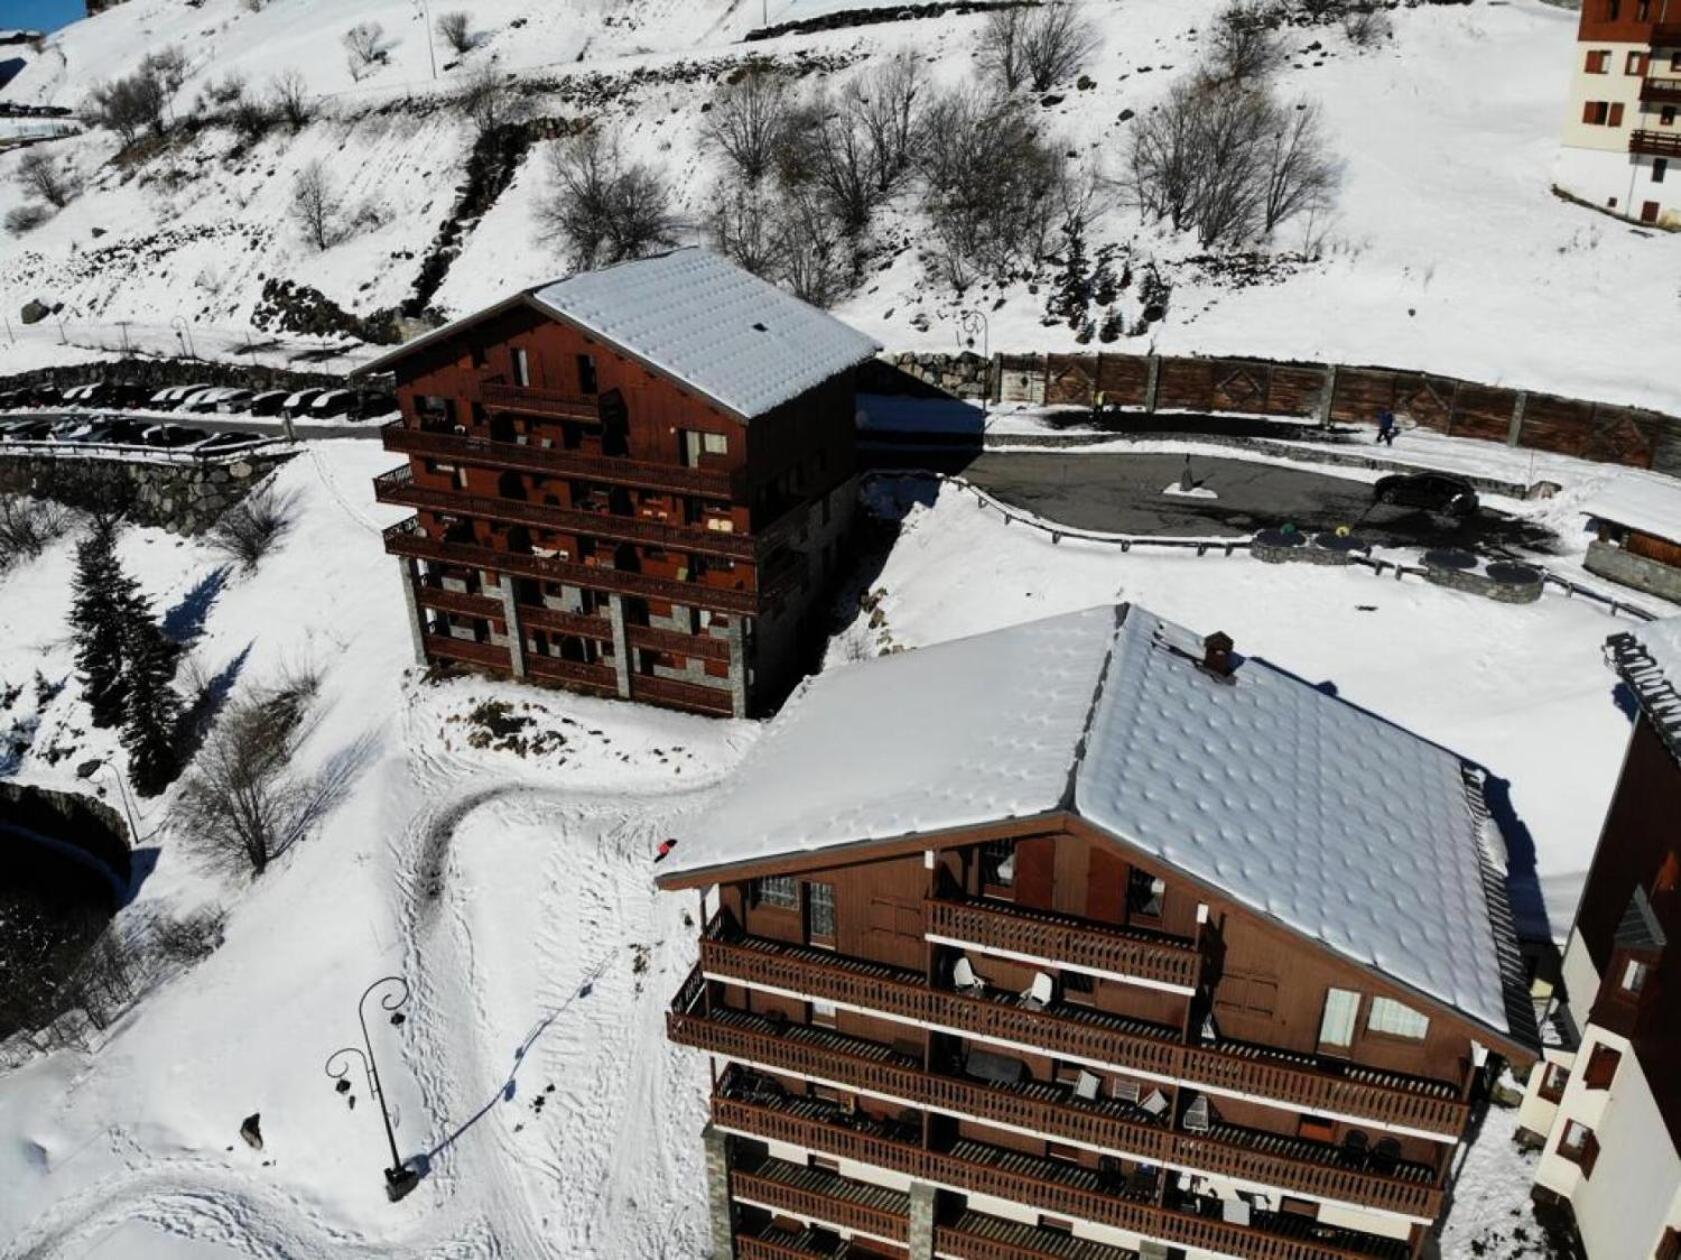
(1599, 60)
(1649, 212)
(778, 891)
(1145, 893)
(1336, 1028)
(1642, 10)
(998, 863)
(432, 408)
(1675, 61)
(1666, 116)
(1613, 10)
(1635, 64)
(1602, 1068)
(1579, 1146)
(822, 910)
(1594, 113)
(1634, 976)
(1660, 168)
(823, 1013)
(586, 374)
(1616, 118)
(1390, 1017)
(715, 444)
(522, 367)
(1553, 1080)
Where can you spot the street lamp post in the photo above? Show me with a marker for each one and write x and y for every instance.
(184, 335)
(970, 322)
(399, 1180)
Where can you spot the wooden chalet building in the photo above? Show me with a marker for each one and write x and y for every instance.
(1605, 1106)
(633, 482)
(1637, 519)
(1087, 940)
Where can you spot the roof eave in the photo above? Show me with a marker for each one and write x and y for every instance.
(398, 353)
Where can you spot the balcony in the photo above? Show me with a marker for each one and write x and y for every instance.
(977, 1236)
(521, 457)
(1050, 1110)
(398, 487)
(1655, 143)
(810, 1194)
(707, 647)
(599, 679)
(497, 392)
(459, 602)
(1433, 1108)
(1060, 940)
(656, 690)
(468, 652)
(748, 1104)
(1660, 91)
(406, 538)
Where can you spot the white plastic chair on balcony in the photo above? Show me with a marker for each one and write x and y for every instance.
(1040, 993)
(1235, 1212)
(1154, 1103)
(1198, 1115)
(964, 979)
(1086, 1086)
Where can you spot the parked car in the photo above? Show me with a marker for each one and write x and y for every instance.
(228, 442)
(85, 395)
(1432, 491)
(333, 402)
(267, 403)
(29, 431)
(129, 396)
(171, 436)
(231, 400)
(298, 404)
(128, 432)
(14, 399)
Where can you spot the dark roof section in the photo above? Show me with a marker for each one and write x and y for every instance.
(1514, 973)
(1658, 693)
(1640, 928)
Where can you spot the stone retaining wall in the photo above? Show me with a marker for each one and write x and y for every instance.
(181, 496)
(1640, 572)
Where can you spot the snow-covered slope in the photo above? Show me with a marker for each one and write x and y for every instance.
(1447, 251)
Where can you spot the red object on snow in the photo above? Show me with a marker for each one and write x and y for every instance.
(666, 846)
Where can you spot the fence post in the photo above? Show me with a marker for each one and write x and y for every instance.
(1152, 375)
(1514, 431)
(1327, 396)
(1044, 378)
(995, 377)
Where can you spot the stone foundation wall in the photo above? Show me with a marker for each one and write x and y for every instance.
(182, 496)
(1628, 569)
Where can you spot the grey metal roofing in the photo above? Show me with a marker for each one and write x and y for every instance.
(1311, 811)
(1639, 927)
(698, 318)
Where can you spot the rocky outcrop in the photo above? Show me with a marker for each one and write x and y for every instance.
(965, 375)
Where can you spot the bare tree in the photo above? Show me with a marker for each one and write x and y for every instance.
(487, 99)
(888, 102)
(1162, 158)
(1002, 52)
(743, 225)
(365, 43)
(27, 525)
(601, 207)
(131, 105)
(1300, 175)
(168, 66)
(1243, 45)
(315, 206)
(1055, 40)
(38, 173)
(27, 217)
(248, 531)
(811, 241)
(291, 99)
(242, 805)
(1367, 25)
(1230, 184)
(455, 30)
(252, 117)
(746, 121)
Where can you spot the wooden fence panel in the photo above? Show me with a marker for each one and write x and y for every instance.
(1185, 384)
(1609, 434)
(1020, 378)
(1070, 380)
(1123, 378)
(1238, 385)
(1666, 449)
(1361, 393)
(1481, 411)
(1295, 390)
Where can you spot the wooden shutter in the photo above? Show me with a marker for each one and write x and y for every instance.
(1590, 1154)
(1616, 114)
(1669, 1246)
(1587, 113)
(1035, 871)
(1106, 885)
(1602, 1068)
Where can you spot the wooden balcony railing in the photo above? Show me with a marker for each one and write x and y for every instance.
(1059, 939)
(598, 678)
(541, 402)
(809, 1201)
(1655, 143)
(522, 457)
(453, 649)
(398, 487)
(707, 647)
(1009, 1180)
(1129, 1045)
(558, 621)
(459, 602)
(747, 1248)
(1660, 91)
(748, 1039)
(407, 539)
(976, 1236)
(657, 690)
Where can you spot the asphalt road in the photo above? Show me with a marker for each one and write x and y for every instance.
(1123, 493)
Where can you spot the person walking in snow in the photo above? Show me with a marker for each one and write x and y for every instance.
(1386, 427)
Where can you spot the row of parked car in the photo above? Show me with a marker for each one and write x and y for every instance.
(317, 403)
(110, 430)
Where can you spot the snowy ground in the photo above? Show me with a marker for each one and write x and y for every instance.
(1447, 250)
(514, 892)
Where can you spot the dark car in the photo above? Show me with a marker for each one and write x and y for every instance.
(269, 402)
(1434, 492)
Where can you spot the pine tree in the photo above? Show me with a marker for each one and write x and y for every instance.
(97, 618)
(152, 710)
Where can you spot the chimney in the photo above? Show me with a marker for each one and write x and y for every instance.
(1217, 655)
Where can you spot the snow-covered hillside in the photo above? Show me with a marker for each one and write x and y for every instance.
(1446, 251)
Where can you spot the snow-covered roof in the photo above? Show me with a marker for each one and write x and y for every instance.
(1648, 658)
(695, 317)
(1647, 501)
(1313, 812)
(702, 319)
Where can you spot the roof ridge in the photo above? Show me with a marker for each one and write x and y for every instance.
(1083, 743)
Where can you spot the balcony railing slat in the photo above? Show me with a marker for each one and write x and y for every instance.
(815, 1205)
